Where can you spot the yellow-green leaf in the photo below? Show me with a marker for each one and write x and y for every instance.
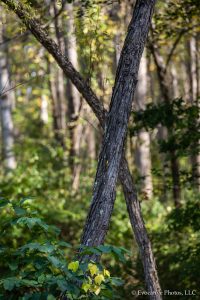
(97, 290)
(73, 266)
(93, 269)
(98, 279)
(106, 273)
(86, 286)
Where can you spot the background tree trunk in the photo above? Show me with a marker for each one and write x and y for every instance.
(6, 109)
(44, 114)
(143, 152)
(73, 99)
(195, 100)
(57, 86)
(167, 96)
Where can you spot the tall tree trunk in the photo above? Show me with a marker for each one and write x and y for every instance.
(141, 236)
(73, 99)
(117, 121)
(58, 105)
(175, 87)
(44, 115)
(195, 100)
(57, 86)
(34, 26)
(143, 152)
(6, 110)
(167, 95)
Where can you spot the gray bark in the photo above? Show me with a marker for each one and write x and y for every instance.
(58, 104)
(143, 151)
(34, 26)
(57, 86)
(73, 99)
(194, 99)
(6, 110)
(116, 125)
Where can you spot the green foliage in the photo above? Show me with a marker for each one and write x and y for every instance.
(183, 133)
(176, 243)
(177, 115)
(34, 262)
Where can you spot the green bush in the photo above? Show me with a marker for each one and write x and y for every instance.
(34, 260)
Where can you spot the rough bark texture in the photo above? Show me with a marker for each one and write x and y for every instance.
(141, 236)
(116, 125)
(100, 112)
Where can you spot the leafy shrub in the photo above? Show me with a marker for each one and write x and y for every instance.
(176, 244)
(35, 266)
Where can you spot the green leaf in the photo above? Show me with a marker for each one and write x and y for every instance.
(73, 266)
(9, 283)
(41, 278)
(25, 199)
(46, 248)
(119, 254)
(13, 266)
(20, 211)
(55, 261)
(64, 244)
(51, 297)
(104, 249)
(4, 202)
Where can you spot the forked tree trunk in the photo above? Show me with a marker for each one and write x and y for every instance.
(116, 126)
(137, 222)
(109, 161)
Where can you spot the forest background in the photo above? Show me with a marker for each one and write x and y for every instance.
(51, 139)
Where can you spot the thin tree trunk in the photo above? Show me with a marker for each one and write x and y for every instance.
(59, 124)
(141, 236)
(90, 138)
(175, 87)
(194, 99)
(143, 152)
(73, 99)
(44, 114)
(57, 87)
(167, 95)
(6, 111)
(97, 107)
